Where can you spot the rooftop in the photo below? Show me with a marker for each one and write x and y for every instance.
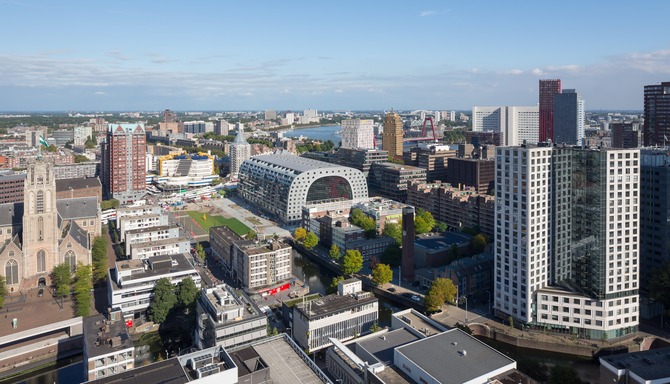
(152, 266)
(79, 207)
(11, 214)
(419, 322)
(382, 346)
(164, 372)
(103, 336)
(158, 243)
(150, 229)
(333, 304)
(63, 185)
(445, 240)
(463, 357)
(650, 365)
(296, 163)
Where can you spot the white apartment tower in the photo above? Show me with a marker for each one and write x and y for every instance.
(358, 134)
(566, 239)
(517, 124)
(239, 151)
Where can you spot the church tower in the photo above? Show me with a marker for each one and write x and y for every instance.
(40, 223)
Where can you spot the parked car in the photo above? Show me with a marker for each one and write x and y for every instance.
(391, 289)
(416, 298)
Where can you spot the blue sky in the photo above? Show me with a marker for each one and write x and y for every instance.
(326, 55)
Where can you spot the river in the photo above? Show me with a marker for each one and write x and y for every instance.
(322, 132)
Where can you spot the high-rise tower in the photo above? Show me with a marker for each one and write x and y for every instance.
(358, 134)
(568, 117)
(657, 114)
(124, 162)
(567, 239)
(548, 88)
(240, 150)
(392, 136)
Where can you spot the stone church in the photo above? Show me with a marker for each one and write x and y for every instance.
(41, 232)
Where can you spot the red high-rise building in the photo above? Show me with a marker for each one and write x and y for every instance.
(124, 162)
(548, 88)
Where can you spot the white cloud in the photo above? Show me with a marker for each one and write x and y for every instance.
(537, 72)
(427, 13)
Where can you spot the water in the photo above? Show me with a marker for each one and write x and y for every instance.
(72, 373)
(322, 132)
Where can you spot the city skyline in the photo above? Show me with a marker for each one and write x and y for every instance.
(253, 56)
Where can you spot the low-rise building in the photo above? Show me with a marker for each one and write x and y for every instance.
(370, 248)
(342, 316)
(434, 250)
(108, 348)
(163, 247)
(391, 180)
(131, 282)
(143, 235)
(361, 159)
(11, 187)
(227, 318)
(642, 367)
(129, 223)
(262, 264)
(221, 241)
(471, 275)
(88, 169)
(431, 157)
(138, 211)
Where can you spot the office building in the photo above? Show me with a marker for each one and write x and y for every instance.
(221, 127)
(568, 118)
(270, 114)
(221, 241)
(262, 264)
(657, 114)
(227, 318)
(654, 212)
(42, 232)
(185, 171)
(11, 187)
(393, 135)
(195, 127)
(476, 173)
(164, 247)
(391, 180)
(281, 183)
(515, 124)
(138, 211)
(81, 135)
(342, 316)
(361, 159)
(108, 348)
(548, 88)
(131, 283)
(123, 162)
(239, 151)
(60, 137)
(358, 134)
(566, 239)
(626, 134)
(432, 157)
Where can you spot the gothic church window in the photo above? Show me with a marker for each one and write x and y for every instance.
(41, 261)
(12, 272)
(71, 260)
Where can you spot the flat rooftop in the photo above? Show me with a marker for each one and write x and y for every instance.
(159, 242)
(102, 336)
(168, 371)
(150, 229)
(382, 346)
(650, 365)
(330, 304)
(441, 241)
(182, 265)
(419, 323)
(454, 365)
(293, 162)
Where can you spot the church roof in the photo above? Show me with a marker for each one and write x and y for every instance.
(78, 234)
(77, 208)
(63, 185)
(11, 214)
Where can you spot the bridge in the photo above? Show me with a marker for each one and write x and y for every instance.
(423, 136)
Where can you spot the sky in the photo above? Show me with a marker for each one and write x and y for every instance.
(326, 55)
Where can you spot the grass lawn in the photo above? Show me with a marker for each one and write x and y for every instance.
(214, 221)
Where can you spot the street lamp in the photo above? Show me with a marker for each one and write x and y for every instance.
(466, 308)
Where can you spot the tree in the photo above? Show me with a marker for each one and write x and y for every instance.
(80, 159)
(352, 262)
(334, 252)
(3, 290)
(375, 327)
(440, 227)
(334, 283)
(90, 143)
(200, 251)
(109, 204)
(394, 230)
(367, 223)
(252, 235)
(61, 278)
(299, 234)
(478, 243)
(83, 285)
(163, 301)
(311, 240)
(186, 293)
(423, 221)
(99, 256)
(441, 291)
(382, 274)
(373, 262)
(52, 148)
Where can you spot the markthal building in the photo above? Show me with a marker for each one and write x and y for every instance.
(281, 183)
